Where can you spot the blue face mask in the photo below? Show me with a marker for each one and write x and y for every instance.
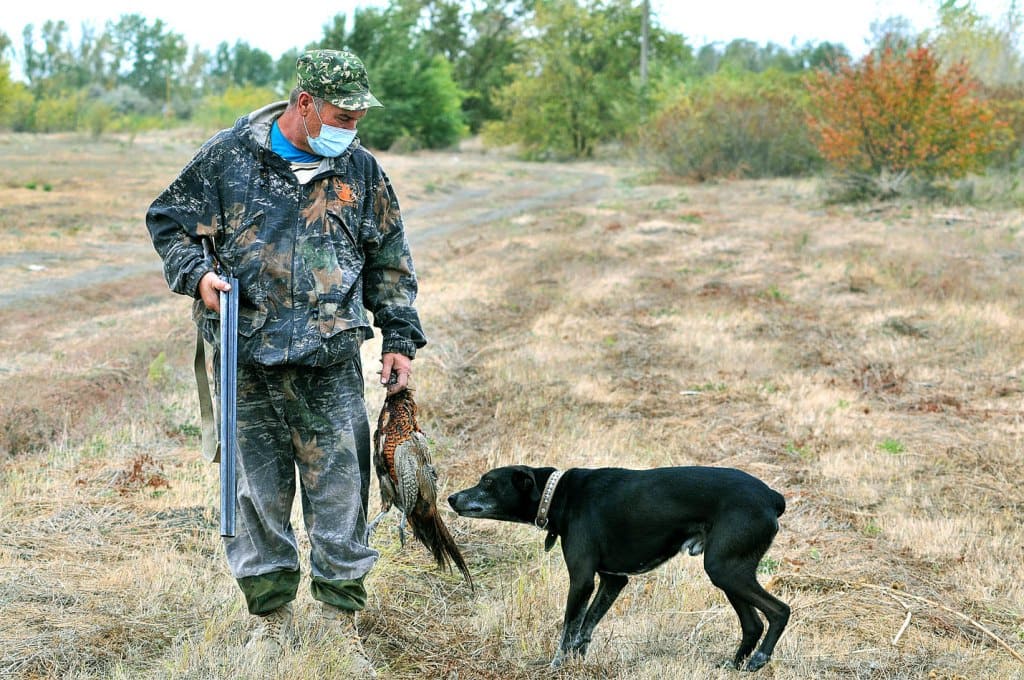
(332, 141)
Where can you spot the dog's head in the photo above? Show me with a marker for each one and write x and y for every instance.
(509, 494)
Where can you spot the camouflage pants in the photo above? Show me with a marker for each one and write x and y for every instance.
(311, 421)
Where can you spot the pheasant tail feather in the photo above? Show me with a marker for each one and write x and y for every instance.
(430, 530)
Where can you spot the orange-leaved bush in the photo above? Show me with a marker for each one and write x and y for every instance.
(902, 115)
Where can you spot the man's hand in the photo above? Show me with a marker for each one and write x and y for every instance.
(209, 290)
(399, 365)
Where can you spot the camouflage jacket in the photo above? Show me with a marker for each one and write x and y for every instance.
(310, 259)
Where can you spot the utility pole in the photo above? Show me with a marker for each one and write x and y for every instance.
(645, 40)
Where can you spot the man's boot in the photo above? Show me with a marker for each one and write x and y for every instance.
(339, 628)
(271, 633)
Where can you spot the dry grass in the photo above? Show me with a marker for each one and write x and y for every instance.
(867, 362)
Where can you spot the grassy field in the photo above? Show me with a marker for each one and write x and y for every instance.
(867, 362)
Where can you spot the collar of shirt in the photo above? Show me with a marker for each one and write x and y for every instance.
(280, 145)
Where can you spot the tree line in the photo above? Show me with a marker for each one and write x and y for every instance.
(553, 78)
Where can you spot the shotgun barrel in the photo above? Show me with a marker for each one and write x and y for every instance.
(228, 405)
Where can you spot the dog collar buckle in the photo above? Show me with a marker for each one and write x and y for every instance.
(546, 498)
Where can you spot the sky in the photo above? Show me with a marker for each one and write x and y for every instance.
(207, 24)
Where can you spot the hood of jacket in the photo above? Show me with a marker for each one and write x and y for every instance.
(253, 132)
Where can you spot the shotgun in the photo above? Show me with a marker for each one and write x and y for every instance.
(228, 404)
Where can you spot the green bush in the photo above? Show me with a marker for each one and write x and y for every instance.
(219, 111)
(896, 119)
(17, 108)
(86, 110)
(127, 101)
(1007, 102)
(97, 117)
(422, 106)
(540, 125)
(733, 125)
(59, 113)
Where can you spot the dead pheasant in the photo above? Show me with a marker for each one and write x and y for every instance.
(408, 480)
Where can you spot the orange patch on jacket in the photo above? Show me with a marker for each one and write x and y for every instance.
(345, 192)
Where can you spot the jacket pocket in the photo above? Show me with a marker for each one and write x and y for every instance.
(339, 278)
(339, 228)
(333, 312)
(251, 318)
(252, 306)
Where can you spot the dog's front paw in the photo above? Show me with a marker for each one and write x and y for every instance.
(564, 657)
(757, 661)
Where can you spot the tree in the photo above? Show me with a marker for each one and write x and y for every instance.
(897, 116)
(894, 34)
(59, 66)
(746, 55)
(242, 65)
(6, 85)
(6, 91)
(150, 57)
(47, 67)
(743, 55)
(990, 49)
(824, 55)
(422, 102)
(284, 68)
(577, 83)
(480, 38)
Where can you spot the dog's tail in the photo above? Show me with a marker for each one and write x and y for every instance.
(778, 502)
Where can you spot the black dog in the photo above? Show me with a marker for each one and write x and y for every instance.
(615, 522)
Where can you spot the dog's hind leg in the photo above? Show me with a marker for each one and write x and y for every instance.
(777, 613)
(752, 627)
(731, 560)
(609, 589)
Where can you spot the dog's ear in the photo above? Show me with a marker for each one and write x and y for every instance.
(524, 483)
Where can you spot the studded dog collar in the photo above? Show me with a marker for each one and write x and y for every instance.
(545, 499)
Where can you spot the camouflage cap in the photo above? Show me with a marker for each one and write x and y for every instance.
(336, 77)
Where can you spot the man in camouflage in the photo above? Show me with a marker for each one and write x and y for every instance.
(290, 204)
